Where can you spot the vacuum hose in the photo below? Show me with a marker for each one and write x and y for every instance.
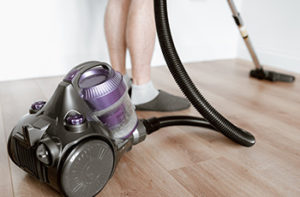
(154, 124)
(187, 86)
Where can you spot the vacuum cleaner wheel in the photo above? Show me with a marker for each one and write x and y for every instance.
(87, 169)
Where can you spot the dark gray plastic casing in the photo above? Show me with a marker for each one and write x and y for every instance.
(77, 160)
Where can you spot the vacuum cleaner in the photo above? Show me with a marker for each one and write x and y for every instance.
(74, 141)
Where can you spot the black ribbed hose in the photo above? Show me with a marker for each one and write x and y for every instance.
(187, 86)
(154, 124)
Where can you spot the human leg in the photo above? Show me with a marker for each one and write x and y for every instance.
(140, 39)
(115, 31)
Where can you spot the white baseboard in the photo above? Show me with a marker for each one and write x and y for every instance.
(277, 59)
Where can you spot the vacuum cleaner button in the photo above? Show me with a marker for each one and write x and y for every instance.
(37, 106)
(43, 154)
(76, 122)
(75, 119)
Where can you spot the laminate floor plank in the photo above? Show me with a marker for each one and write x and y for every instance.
(6, 187)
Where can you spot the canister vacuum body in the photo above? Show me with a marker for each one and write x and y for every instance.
(74, 141)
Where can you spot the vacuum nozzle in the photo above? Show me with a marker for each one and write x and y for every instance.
(271, 76)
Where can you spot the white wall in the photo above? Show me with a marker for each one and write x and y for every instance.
(46, 38)
(274, 27)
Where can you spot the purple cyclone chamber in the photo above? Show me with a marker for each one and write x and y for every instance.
(106, 94)
(101, 87)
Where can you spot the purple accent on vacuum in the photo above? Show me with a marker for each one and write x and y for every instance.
(114, 117)
(76, 119)
(104, 91)
(101, 87)
(38, 105)
(69, 77)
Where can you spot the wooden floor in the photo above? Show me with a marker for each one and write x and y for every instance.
(186, 161)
